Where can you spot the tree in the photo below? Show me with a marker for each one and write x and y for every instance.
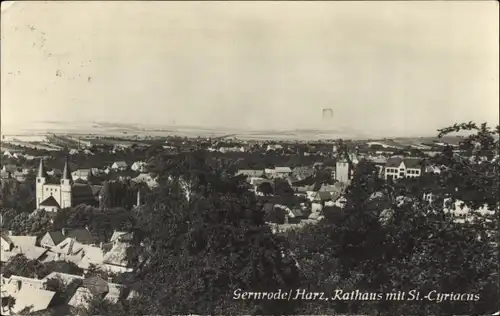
(34, 224)
(191, 254)
(21, 266)
(265, 188)
(101, 223)
(390, 238)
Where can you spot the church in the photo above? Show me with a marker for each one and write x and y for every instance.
(55, 194)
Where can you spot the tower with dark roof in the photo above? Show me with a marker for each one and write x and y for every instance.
(41, 177)
(66, 184)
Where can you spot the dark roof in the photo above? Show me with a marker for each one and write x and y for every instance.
(413, 163)
(41, 170)
(56, 237)
(323, 196)
(124, 174)
(82, 235)
(50, 201)
(66, 172)
(96, 285)
(393, 162)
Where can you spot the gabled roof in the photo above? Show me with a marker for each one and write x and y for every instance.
(50, 201)
(121, 163)
(413, 163)
(322, 196)
(96, 285)
(117, 235)
(37, 299)
(82, 235)
(56, 237)
(394, 162)
(65, 277)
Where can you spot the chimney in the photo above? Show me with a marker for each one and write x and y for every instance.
(110, 279)
(64, 232)
(101, 244)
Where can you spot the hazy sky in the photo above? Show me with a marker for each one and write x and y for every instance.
(401, 67)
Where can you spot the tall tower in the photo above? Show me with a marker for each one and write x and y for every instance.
(342, 171)
(40, 182)
(66, 183)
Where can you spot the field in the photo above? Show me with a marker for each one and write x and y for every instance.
(39, 132)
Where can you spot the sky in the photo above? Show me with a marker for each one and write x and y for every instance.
(403, 68)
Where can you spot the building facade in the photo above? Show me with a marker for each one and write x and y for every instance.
(398, 167)
(53, 195)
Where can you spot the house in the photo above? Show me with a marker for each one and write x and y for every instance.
(27, 293)
(462, 213)
(81, 174)
(139, 166)
(119, 236)
(319, 196)
(81, 255)
(399, 167)
(8, 171)
(119, 165)
(81, 235)
(12, 246)
(274, 147)
(251, 172)
(96, 287)
(302, 172)
(115, 260)
(54, 172)
(231, 149)
(65, 278)
(147, 179)
(278, 172)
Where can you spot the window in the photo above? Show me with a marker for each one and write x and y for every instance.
(38, 180)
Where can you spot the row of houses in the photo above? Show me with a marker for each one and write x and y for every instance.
(73, 245)
(35, 295)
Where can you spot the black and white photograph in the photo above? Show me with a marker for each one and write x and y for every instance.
(250, 158)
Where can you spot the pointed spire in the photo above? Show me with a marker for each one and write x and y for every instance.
(41, 170)
(66, 175)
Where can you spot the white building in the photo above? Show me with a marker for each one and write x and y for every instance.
(398, 167)
(342, 171)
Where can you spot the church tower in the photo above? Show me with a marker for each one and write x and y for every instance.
(66, 183)
(41, 177)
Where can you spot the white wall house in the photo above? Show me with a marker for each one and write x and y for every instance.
(398, 167)
(342, 171)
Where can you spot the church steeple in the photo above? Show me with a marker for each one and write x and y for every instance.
(66, 175)
(41, 170)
